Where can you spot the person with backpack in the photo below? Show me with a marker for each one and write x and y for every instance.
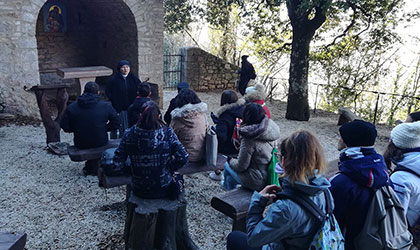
(287, 224)
(135, 109)
(258, 137)
(362, 171)
(403, 151)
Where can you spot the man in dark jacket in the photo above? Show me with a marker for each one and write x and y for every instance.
(362, 171)
(172, 105)
(246, 73)
(121, 90)
(89, 119)
(135, 109)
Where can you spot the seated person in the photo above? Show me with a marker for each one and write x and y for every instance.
(259, 134)
(143, 96)
(256, 94)
(89, 118)
(190, 123)
(413, 117)
(172, 104)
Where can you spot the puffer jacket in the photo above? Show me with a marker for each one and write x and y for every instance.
(155, 155)
(255, 153)
(286, 224)
(190, 124)
(225, 120)
(362, 171)
(407, 185)
(89, 119)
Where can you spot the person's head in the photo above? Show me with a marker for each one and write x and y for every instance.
(413, 117)
(244, 57)
(186, 96)
(144, 89)
(253, 114)
(124, 67)
(255, 93)
(228, 97)
(404, 136)
(357, 133)
(150, 116)
(301, 155)
(182, 85)
(91, 87)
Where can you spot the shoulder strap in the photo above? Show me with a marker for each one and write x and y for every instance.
(401, 168)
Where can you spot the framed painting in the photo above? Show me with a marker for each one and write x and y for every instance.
(55, 17)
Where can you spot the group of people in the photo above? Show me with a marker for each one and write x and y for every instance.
(158, 146)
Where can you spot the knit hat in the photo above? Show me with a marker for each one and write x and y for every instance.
(358, 133)
(406, 135)
(122, 63)
(256, 92)
(183, 85)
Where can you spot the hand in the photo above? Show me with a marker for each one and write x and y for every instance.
(270, 191)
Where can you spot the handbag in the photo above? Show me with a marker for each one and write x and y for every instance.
(211, 148)
(272, 175)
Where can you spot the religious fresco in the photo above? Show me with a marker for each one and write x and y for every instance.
(54, 17)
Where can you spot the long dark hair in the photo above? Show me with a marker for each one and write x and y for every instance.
(186, 96)
(150, 116)
(253, 114)
(228, 97)
(392, 153)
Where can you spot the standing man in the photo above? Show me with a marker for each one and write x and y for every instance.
(246, 73)
(121, 90)
(89, 118)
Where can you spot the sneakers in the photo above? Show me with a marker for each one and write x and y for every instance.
(216, 177)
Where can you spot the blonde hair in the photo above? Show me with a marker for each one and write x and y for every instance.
(303, 155)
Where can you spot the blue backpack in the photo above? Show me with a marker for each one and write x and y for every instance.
(327, 234)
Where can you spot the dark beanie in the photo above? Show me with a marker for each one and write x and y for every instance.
(183, 85)
(122, 63)
(91, 87)
(358, 133)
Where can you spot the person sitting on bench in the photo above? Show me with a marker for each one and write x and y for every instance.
(143, 96)
(89, 118)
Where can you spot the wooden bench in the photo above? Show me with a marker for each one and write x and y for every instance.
(235, 204)
(77, 154)
(12, 241)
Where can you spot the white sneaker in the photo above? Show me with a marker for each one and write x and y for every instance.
(216, 177)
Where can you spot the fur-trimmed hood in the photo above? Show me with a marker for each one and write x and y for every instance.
(256, 92)
(189, 109)
(229, 106)
(267, 130)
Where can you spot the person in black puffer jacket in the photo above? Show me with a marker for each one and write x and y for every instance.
(89, 119)
(135, 109)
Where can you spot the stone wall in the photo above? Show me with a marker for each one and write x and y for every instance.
(99, 22)
(206, 72)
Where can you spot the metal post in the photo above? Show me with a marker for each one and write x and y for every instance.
(376, 108)
(316, 97)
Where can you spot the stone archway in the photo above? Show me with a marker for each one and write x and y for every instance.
(19, 66)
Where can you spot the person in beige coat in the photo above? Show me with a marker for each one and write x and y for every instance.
(258, 137)
(189, 122)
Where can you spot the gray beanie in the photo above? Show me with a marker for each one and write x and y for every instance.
(406, 135)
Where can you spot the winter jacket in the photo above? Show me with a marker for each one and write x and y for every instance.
(89, 119)
(172, 105)
(190, 124)
(257, 95)
(155, 155)
(134, 110)
(225, 120)
(362, 171)
(407, 185)
(286, 224)
(255, 153)
(122, 91)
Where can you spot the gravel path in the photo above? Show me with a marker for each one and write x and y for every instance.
(47, 196)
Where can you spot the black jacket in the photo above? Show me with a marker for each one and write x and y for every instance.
(89, 119)
(172, 105)
(122, 92)
(134, 110)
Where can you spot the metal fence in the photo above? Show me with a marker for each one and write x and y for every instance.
(172, 70)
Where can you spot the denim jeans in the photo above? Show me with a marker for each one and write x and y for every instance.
(231, 178)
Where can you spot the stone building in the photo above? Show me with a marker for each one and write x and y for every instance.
(39, 36)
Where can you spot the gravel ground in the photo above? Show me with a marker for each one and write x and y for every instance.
(47, 196)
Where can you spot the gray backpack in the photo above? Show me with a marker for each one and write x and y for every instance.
(385, 225)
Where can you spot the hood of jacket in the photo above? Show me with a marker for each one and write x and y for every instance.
(315, 185)
(267, 130)
(368, 169)
(87, 100)
(256, 92)
(189, 110)
(411, 160)
(235, 108)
